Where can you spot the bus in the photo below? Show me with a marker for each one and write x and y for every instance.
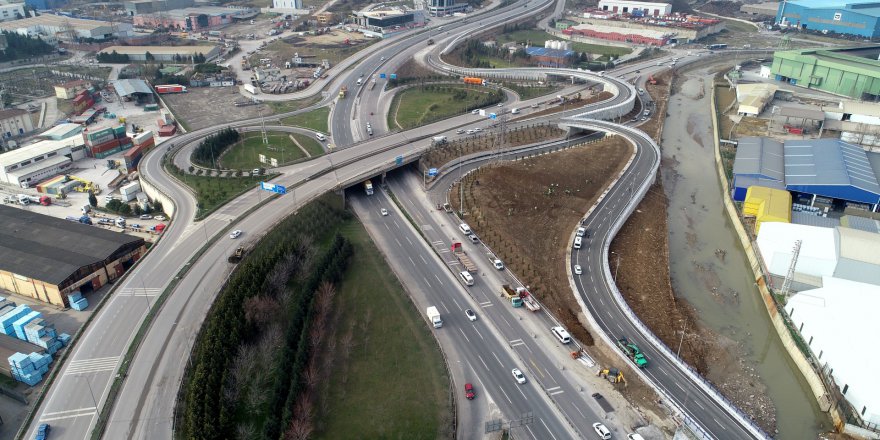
(716, 46)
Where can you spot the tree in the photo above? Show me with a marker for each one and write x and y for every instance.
(149, 57)
(114, 205)
(93, 201)
(125, 209)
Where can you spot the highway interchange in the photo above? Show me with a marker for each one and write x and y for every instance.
(560, 409)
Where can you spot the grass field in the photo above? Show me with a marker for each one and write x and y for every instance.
(245, 154)
(738, 26)
(279, 107)
(537, 38)
(417, 106)
(313, 120)
(309, 143)
(526, 93)
(393, 385)
(213, 192)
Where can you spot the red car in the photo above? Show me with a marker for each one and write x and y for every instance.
(469, 391)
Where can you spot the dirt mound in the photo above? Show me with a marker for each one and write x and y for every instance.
(526, 210)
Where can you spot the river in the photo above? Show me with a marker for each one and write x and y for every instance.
(698, 227)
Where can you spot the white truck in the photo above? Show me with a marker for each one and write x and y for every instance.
(434, 317)
(251, 89)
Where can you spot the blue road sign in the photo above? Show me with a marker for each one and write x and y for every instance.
(393, 76)
(493, 116)
(398, 160)
(382, 75)
(432, 172)
(273, 187)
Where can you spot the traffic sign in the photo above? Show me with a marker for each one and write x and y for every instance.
(493, 116)
(432, 172)
(399, 160)
(393, 76)
(382, 75)
(279, 189)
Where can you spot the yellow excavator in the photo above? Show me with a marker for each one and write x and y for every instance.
(87, 186)
(612, 374)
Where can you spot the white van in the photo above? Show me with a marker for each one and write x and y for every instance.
(514, 111)
(320, 137)
(360, 81)
(466, 277)
(465, 229)
(561, 334)
(577, 242)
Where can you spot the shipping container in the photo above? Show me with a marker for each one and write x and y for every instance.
(104, 146)
(143, 137)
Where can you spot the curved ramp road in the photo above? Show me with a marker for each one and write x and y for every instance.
(143, 409)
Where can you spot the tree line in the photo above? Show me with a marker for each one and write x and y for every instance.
(275, 286)
(23, 46)
(210, 149)
(112, 57)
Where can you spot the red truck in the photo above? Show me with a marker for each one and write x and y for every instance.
(170, 88)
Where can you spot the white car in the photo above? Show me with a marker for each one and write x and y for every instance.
(470, 132)
(603, 432)
(577, 269)
(475, 111)
(478, 129)
(384, 211)
(498, 264)
(235, 234)
(635, 436)
(519, 376)
(161, 218)
(471, 315)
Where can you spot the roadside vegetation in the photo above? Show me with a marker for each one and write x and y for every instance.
(422, 105)
(213, 192)
(245, 154)
(23, 46)
(386, 378)
(208, 152)
(313, 337)
(527, 92)
(313, 120)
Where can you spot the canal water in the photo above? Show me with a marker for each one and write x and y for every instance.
(707, 264)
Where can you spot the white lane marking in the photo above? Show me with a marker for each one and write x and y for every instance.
(483, 362)
(505, 395)
(465, 336)
(557, 392)
(499, 360)
(529, 428)
(138, 291)
(55, 413)
(457, 304)
(423, 259)
(516, 342)
(426, 280)
(552, 389)
(411, 261)
(479, 334)
(408, 240)
(438, 278)
(70, 416)
(505, 321)
(400, 245)
(91, 365)
(548, 429)
(486, 304)
(395, 224)
(387, 227)
(579, 410)
(523, 394)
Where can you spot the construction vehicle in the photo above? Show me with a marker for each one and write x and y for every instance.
(528, 299)
(87, 186)
(343, 91)
(463, 258)
(612, 374)
(632, 351)
(512, 295)
(236, 255)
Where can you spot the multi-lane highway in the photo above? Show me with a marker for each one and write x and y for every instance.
(143, 410)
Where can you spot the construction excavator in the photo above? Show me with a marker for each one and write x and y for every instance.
(612, 374)
(87, 186)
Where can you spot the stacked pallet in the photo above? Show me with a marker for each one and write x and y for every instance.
(77, 301)
(29, 368)
(27, 325)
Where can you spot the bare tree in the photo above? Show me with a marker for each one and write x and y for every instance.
(299, 430)
(260, 310)
(303, 409)
(245, 431)
(312, 374)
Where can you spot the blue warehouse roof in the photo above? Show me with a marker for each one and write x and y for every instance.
(830, 168)
(866, 7)
(546, 52)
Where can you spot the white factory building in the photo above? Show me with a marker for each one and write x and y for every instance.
(36, 162)
(837, 317)
(11, 11)
(858, 122)
(54, 28)
(649, 9)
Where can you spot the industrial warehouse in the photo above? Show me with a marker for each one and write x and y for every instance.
(852, 72)
(48, 258)
(854, 17)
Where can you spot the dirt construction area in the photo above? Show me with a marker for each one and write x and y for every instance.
(551, 195)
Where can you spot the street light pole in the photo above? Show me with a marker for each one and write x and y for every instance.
(617, 266)
(681, 341)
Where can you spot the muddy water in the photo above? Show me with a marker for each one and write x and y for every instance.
(708, 266)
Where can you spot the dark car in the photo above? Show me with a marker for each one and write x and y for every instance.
(469, 391)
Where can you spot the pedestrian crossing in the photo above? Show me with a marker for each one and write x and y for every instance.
(81, 366)
(139, 291)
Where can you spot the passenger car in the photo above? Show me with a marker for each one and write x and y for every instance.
(235, 234)
(603, 432)
(146, 216)
(470, 314)
(498, 264)
(384, 211)
(578, 270)
(519, 376)
(469, 391)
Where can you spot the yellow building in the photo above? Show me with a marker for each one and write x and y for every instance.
(69, 89)
(47, 258)
(767, 205)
